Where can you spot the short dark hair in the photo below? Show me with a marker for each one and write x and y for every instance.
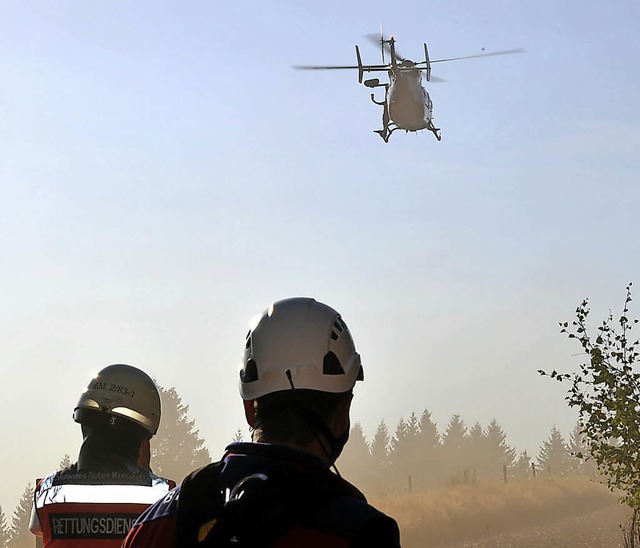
(284, 416)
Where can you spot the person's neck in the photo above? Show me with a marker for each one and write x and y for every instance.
(99, 453)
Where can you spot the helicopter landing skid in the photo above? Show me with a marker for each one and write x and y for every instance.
(385, 132)
(433, 129)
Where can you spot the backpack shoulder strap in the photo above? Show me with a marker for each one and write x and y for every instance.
(200, 502)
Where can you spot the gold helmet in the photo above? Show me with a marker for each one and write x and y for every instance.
(125, 391)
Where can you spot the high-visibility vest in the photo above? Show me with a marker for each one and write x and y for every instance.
(93, 509)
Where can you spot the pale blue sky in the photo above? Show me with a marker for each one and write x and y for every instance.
(165, 175)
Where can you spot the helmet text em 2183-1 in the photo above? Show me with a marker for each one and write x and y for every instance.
(125, 391)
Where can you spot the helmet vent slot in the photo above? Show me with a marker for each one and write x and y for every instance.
(338, 328)
(331, 365)
(250, 372)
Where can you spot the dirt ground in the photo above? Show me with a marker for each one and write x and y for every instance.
(596, 529)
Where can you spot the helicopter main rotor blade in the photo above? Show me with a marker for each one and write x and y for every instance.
(366, 68)
(490, 54)
(323, 67)
(382, 41)
(376, 38)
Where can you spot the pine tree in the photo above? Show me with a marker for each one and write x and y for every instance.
(554, 457)
(4, 530)
(396, 449)
(414, 463)
(20, 536)
(400, 450)
(477, 450)
(455, 436)
(499, 452)
(428, 436)
(406, 465)
(177, 448)
(522, 467)
(427, 452)
(238, 436)
(65, 462)
(454, 446)
(380, 447)
(580, 461)
(354, 463)
(413, 426)
(475, 439)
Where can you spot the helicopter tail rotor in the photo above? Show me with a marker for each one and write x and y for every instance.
(360, 66)
(427, 63)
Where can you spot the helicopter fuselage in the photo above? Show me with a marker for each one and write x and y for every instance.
(409, 104)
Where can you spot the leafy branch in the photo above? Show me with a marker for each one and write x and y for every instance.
(606, 392)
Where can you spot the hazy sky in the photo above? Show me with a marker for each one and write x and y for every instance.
(165, 175)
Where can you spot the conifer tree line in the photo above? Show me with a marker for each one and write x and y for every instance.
(416, 455)
(416, 449)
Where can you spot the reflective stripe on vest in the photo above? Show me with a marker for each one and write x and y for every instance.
(106, 494)
(98, 514)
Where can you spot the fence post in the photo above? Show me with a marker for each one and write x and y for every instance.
(533, 469)
(410, 487)
(504, 473)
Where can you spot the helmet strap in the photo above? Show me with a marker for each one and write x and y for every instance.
(320, 429)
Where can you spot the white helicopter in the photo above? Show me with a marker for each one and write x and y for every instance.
(406, 103)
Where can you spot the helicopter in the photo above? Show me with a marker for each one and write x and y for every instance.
(406, 103)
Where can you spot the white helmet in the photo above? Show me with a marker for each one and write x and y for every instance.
(122, 391)
(299, 343)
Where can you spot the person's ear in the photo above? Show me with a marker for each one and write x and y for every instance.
(341, 418)
(250, 413)
(144, 455)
